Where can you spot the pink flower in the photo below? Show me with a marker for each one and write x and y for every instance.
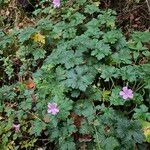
(126, 93)
(56, 3)
(16, 127)
(52, 108)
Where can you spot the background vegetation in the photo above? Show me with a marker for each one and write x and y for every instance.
(74, 76)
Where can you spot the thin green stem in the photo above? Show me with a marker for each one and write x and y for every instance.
(113, 84)
(140, 87)
(98, 144)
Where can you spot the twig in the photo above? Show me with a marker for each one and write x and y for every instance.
(148, 5)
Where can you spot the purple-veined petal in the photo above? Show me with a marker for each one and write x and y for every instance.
(130, 95)
(121, 93)
(125, 89)
(130, 91)
(125, 96)
(56, 3)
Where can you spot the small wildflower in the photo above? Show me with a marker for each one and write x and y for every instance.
(126, 93)
(16, 127)
(52, 108)
(56, 3)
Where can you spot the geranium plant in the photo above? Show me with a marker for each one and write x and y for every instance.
(73, 80)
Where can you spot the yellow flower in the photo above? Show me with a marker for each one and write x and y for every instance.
(39, 38)
(146, 130)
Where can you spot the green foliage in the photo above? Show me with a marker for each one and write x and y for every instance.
(115, 99)
(101, 50)
(142, 113)
(79, 59)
